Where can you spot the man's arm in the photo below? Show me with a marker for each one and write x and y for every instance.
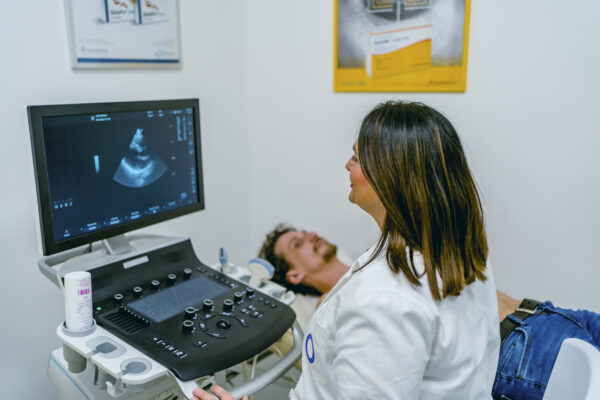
(506, 304)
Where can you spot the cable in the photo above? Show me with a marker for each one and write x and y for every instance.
(253, 366)
(245, 370)
(289, 373)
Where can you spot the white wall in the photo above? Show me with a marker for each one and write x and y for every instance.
(276, 138)
(535, 145)
(527, 121)
(35, 70)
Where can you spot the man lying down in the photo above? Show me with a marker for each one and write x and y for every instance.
(531, 331)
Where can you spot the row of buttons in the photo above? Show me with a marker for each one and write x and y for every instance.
(252, 311)
(155, 284)
(169, 348)
(225, 281)
(267, 302)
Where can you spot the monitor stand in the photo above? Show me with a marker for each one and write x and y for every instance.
(117, 245)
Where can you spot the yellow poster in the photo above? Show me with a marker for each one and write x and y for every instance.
(401, 45)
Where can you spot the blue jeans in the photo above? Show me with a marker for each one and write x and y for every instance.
(529, 352)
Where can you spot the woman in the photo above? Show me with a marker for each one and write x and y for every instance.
(416, 315)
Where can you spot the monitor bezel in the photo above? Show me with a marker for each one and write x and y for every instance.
(35, 115)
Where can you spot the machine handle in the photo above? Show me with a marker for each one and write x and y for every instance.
(47, 264)
(264, 379)
(55, 265)
(269, 376)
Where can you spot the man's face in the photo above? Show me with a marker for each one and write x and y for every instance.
(306, 252)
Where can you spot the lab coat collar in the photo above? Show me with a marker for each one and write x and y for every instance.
(356, 266)
(362, 260)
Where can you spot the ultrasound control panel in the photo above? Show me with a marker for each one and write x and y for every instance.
(190, 318)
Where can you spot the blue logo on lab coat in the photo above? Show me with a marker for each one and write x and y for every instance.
(309, 355)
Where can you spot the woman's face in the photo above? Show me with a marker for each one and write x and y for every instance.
(361, 193)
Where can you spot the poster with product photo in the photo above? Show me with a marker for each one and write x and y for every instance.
(401, 45)
(123, 33)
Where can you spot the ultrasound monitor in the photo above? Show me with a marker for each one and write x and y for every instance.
(104, 169)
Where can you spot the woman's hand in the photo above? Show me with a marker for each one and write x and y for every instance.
(218, 391)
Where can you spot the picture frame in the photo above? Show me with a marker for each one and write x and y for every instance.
(123, 33)
(401, 45)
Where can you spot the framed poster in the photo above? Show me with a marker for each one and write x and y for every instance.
(401, 45)
(123, 33)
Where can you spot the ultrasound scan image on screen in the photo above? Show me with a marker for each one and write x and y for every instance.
(139, 166)
(106, 169)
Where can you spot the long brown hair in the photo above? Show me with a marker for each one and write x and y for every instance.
(413, 158)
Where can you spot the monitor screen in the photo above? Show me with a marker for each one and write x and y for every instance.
(107, 168)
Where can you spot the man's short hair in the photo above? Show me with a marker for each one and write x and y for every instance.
(282, 267)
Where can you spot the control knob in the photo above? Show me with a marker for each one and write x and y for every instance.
(171, 278)
(118, 298)
(207, 305)
(137, 291)
(190, 313)
(187, 273)
(155, 285)
(227, 305)
(238, 297)
(223, 324)
(188, 326)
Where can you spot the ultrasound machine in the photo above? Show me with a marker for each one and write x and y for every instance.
(164, 322)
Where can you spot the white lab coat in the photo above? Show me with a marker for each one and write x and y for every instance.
(376, 336)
